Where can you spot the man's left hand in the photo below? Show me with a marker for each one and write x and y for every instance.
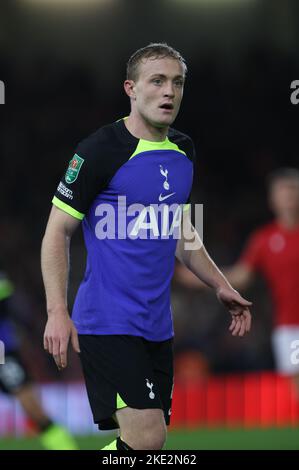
(238, 308)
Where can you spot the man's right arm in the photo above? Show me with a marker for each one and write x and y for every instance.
(55, 267)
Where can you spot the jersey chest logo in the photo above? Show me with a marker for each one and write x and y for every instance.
(166, 185)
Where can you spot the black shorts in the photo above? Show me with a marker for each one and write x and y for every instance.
(123, 370)
(13, 374)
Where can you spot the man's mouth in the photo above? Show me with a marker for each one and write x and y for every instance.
(167, 106)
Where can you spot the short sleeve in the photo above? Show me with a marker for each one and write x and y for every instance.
(192, 156)
(86, 175)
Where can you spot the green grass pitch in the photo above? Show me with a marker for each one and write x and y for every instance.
(201, 439)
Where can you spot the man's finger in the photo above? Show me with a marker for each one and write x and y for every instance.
(233, 324)
(63, 352)
(56, 358)
(75, 340)
(237, 327)
(243, 326)
(63, 358)
(50, 346)
(248, 320)
(243, 302)
(55, 347)
(56, 352)
(46, 345)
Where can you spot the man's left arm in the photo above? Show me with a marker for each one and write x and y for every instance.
(200, 263)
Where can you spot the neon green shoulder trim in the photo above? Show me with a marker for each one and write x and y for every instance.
(148, 145)
(68, 209)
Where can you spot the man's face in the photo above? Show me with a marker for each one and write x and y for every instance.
(284, 196)
(159, 90)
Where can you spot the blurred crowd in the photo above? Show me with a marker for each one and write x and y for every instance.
(243, 125)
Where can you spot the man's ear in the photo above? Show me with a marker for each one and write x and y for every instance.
(129, 86)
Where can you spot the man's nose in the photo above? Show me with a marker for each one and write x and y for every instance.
(169, 90)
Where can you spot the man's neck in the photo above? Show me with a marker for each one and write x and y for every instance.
(143, 130)
(288, 221)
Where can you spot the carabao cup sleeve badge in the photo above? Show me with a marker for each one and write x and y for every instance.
(73, 169)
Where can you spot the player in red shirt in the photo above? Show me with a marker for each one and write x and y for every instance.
(273, 251)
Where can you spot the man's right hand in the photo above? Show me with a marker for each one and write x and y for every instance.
(59, 329)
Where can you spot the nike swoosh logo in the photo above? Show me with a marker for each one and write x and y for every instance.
(162, 198)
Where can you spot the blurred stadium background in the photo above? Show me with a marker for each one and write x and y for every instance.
(63, 64)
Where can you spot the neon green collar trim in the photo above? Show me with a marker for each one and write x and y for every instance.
(148, 146)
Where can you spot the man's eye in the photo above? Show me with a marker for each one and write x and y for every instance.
(157, 81)
(179, 83)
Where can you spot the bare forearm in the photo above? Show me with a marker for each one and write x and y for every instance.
(197, 259)
(55, 267)
(201, 264)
